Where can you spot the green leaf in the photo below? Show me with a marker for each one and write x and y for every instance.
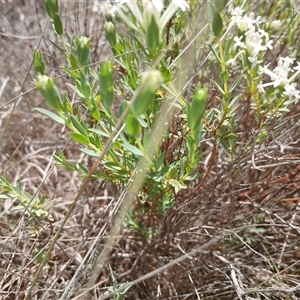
(227, 96)
(112, 166)
(78, 126)
(83, 169)
(85, 86)
(67, 105)
(134, 150)
(146, 140)
(166, 73)
(98, 131)
(210, 12)
(58, 24)
(18, 207)
(139, 44)
(72, 61)
(51, 8)
(60, 158)
(172, 172)
(225, 76)
(51, 115)
(218, 87)
(192, 147)
(79, 138)
(75, 89)
(228, 49)
(160, 160)
(153, 37)
(142, 122)
(219, 4)
(106, 84)
(73, 74)
(133, 126)
(217, 25)
(176, 183)
(213, 50)
(57, 47)
(195, 111)
(215, 20)
(95, 111)
(151, 81)
(6, 188)
(89, 152)
(235, 83)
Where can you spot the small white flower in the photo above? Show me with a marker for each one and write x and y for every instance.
(238, 43)
(257, 41)
(253, 42)
(232, 61)
(253, 61)
(247, 22)
(244, 23)
(281, 72)
(279, 77)
(269, 44)
(291, 91)
(275, 24)
(237, 11)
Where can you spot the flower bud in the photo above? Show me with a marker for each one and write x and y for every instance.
(83, 50)
(50, 92)
(39, 63)
(276, 24)
(110, 32)
(151, 81)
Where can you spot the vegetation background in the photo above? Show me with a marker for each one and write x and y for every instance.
(243, 224)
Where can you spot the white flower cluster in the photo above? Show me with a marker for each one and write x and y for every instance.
(102, 6)
(149, 8)
(253, 40)
(280, 77)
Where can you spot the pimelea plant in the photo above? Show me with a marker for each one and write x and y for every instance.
(135, 107)
(144, 87)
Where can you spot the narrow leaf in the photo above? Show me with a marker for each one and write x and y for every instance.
(58, 26)
(79, 138)
(78, 126)
(51, 115)
(133, 126)
(134, 150)
(89, 152)
(217, 25)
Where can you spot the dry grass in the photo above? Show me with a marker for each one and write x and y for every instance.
(251, 203)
